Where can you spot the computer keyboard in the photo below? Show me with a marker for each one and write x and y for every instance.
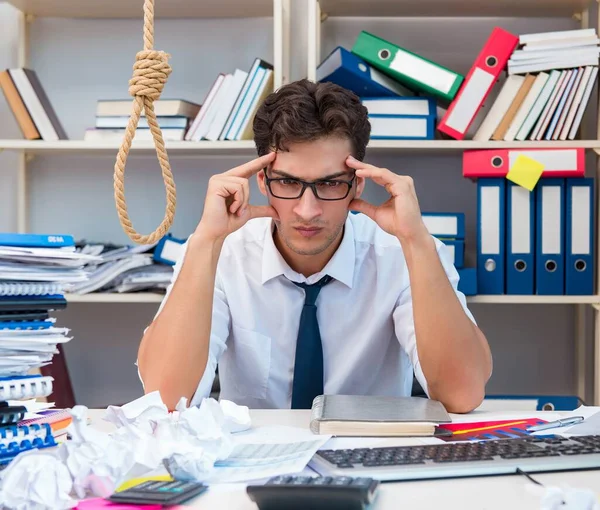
(531, 454)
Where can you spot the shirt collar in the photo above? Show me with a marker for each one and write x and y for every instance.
(340, 266)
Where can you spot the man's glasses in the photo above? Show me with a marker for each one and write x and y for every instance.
(326, 189)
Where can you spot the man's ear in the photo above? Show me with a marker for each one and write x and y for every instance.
(262, 185)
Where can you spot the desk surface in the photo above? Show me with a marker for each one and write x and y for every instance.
(489, 493)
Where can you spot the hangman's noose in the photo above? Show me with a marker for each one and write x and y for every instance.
(150, 73)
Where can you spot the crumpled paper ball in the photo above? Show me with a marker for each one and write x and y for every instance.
(94, 463)
(569, 498)
(39, 480)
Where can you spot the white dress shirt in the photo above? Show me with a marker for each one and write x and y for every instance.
(365, 317)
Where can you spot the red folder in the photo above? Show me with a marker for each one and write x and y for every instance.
(488, 65)
(497, 162)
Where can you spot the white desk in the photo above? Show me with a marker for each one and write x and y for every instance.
(489, 493)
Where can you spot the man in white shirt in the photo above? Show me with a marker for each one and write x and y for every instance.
(301, 297)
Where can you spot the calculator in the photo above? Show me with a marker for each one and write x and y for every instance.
(153, 492)
(298, 492)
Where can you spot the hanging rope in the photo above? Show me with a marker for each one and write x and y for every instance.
(150, 73)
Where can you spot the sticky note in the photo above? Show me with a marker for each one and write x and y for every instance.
(104, 504)
(136, 481)
(525, 172)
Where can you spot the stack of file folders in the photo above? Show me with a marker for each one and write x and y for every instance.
(534, 242)
(550, 77)
(449, 228)
(124, 268)
(35, 270)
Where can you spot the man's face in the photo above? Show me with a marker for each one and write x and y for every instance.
(308, 225)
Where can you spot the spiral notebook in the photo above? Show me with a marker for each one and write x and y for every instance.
(25, 386)
(18, 439)
(30, 288)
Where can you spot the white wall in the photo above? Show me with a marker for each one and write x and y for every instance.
(80, 61)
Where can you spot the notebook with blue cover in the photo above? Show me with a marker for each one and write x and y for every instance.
(17, 439)
(36, 240)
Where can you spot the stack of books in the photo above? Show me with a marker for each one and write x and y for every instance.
(229, 107)
(112, 117)
(30, 105)
(34, 272)
(549, 82)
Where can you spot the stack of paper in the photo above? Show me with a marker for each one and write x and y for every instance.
(35, 271)
(122, 269)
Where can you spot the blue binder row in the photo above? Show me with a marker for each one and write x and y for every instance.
(21, 438)
(539, 242)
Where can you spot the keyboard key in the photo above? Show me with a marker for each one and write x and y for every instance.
(362, 482)
(321, 480)
(341, 480)
(300, 480)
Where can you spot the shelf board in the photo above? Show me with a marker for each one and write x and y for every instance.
(247, 147)
(134, 297)
(134, 8)
(534, 300)
(143, 147)
(460, 145)
(148, 297)
(453, 8)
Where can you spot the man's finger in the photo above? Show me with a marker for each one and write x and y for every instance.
(381, 176)
(247, 170)
(262, 211)
(356, 164)
(362, 206)
(233, 193)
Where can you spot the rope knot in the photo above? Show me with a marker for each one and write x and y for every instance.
(150, 73)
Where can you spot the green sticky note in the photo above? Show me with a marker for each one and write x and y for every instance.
(525, 172)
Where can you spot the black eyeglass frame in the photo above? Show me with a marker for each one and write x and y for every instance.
(311, 185)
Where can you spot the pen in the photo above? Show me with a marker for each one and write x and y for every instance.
(558, 423)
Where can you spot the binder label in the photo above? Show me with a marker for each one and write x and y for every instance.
(425, 72)
(556, 159)
(471, 98)
(580, 220)
(490, 217)
(519, 210)
(551, 216)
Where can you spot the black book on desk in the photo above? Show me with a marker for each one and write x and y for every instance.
(364, 415)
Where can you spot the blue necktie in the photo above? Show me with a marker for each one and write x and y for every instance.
(308, 366)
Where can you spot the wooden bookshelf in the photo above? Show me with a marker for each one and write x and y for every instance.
(322, 16)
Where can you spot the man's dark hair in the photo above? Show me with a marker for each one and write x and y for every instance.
(303, 111)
